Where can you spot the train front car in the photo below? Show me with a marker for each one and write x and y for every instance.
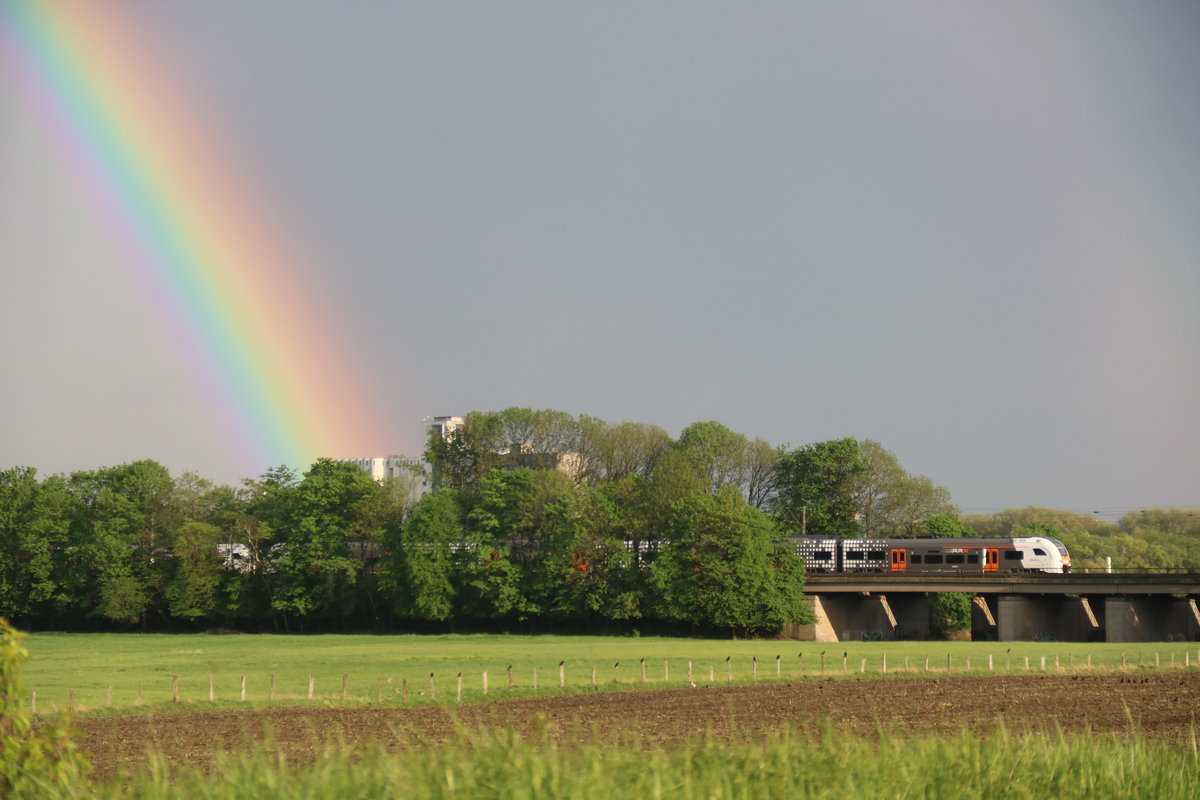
(1037, 554)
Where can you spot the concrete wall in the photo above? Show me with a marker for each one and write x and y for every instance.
(1048, 618)
(1152, 618)
(871, 617)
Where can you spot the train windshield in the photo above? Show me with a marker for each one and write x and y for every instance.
(1062, 550)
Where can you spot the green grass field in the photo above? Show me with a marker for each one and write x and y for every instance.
(139, 668)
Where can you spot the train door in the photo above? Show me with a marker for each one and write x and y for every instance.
(899, 560)
(991, 559)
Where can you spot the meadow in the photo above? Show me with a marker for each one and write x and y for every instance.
(95, 672)
(521, 756)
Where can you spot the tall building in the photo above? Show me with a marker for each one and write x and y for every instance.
(443, 425)
(383, 467)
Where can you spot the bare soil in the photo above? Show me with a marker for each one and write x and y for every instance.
(1159, 704)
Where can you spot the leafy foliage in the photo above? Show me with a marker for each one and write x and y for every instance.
(949, 612)
(40, 762)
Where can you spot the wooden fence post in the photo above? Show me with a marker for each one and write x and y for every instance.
(535, 679)
(345, 680)
(883, 665)
(243, 688)
(989, 662)
(862, 667)
(210, 689)
(510, 679)
(312, 685)
(800, 661)
(458, 693)
(822, 662)
(404, 689)
(927, 662)
(643, 663)
(593, 674)
(562, 675)
(729, 667)
(690, 681)
(778, 666)
(175, 688)
(753, 668)
(948, 661)
(712, 674)
(432, 688)
(485, 688)
(666, 671)
(845, 662)
(617, 672)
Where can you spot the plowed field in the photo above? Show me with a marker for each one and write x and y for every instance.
(1161, 704)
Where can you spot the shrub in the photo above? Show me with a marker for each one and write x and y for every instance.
(34, 762)
(949, 613)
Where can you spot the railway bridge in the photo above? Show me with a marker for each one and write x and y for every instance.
(1074, 607)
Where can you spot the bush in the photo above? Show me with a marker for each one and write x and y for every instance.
(42, 762)
(949, 613)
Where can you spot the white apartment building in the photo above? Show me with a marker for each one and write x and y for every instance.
(443, 425)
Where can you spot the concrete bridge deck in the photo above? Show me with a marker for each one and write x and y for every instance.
(1113, 607)
(1101, 583)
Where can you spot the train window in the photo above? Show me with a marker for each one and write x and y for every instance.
(1037, 551)
(915, 558)
(1013, 555)
(933, 558)
(954, 558)
(853, 555)
(823, 554)
(973, 558)
(875, 554)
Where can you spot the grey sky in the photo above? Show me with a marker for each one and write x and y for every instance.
(965, 230)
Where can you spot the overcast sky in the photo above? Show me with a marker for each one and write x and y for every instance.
(969, 231)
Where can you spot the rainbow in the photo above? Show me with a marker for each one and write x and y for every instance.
(224, 285)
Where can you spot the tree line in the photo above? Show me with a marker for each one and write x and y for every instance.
(539, 521)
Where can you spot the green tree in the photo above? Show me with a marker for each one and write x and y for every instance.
(314, 570)
(35, 522)
(720, 569)
(419, 565)
(946, 526)
(717, 454)
(893, 502)
(459, 460)
(760, 474)
(817, 488)
(121, 537)
(193, 589)
(949, 613)
(618, 451)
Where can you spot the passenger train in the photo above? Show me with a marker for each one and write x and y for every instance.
(927, 556)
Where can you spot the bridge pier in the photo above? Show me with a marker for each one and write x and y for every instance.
(1052, 618)
(1152, 618)
(1070, 607)
(867, 617)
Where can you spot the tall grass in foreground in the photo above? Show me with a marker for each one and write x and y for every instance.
(791, 764)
